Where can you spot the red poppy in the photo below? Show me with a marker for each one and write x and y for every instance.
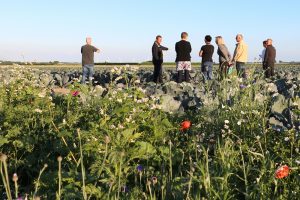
(75, 93)
(282, 172)
(185, 125)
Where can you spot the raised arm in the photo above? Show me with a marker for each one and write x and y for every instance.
(164, 48)
(96, 50)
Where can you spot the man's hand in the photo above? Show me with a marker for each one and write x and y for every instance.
(98, 51)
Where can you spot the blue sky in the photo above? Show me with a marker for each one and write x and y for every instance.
(125, 29)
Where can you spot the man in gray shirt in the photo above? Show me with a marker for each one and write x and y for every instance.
(87, 52)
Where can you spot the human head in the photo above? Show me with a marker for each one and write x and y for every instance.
(184, 35)
(239, 37)
(158, 39)
(269, 41)
(219, 40)
(88, 40)
(265, 43)
(207, 39)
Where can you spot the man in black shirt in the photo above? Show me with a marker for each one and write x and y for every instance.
(206, 53)
(87, 52)
(183, 58)
(269, 59)
(157, 59)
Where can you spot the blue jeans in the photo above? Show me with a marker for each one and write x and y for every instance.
(87, 72)
(206, 69)
(241, 69)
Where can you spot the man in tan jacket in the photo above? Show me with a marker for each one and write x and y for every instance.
(240, 56)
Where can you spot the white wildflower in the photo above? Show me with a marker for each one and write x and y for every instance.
(42, 94)
(226, 121)
(239, 122)
(37, 110)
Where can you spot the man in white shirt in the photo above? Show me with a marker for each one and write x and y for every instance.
(262, 55)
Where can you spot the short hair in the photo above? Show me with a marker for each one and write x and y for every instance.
(208, 38)
(265, 41)
(240, 35)
(158, 36)
(219, 40)
(184, 35)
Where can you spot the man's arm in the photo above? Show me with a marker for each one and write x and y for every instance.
(176, 47)
(237, 52)
(201, 53)
(81, 50)
(225, 52)
(164, 48)
(96, 50)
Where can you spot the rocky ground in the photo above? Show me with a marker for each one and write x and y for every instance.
(282, 90)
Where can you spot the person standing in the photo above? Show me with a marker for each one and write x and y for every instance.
(87, 52)
(269, 59)
(224, 56)
(262, 55)
(157, 59)
(206, 53)
(183, 50)
(240, 56)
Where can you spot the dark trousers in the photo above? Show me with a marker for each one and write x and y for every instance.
(183, 75)
(157, 74)
(241, 69)
(269, 69)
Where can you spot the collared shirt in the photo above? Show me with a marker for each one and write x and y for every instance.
(262, 55)
(241, 52)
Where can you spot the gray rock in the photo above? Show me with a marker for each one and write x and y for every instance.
(168, 104)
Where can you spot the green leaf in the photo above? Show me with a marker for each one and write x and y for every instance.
(3, 141)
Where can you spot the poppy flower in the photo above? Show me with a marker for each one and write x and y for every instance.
(75, 93)
(185, 125)
(282, 172)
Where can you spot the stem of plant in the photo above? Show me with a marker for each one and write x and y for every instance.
(82, 166)
(16, 189)
(6, 185)
(59, 176)
(170, 160)
(38, 180)
(120, 172)
(245, 174)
